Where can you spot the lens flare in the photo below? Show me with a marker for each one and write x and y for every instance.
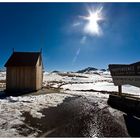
(94, 17)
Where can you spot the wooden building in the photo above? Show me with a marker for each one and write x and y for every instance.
(24, 72)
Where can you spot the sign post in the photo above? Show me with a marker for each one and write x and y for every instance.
(120, 90)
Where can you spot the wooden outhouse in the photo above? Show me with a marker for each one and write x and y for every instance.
(24, 72)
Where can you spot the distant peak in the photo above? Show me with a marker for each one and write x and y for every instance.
(88, 69)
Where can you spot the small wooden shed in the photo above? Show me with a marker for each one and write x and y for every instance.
(24, 72)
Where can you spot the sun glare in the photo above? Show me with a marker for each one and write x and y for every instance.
(92, 26)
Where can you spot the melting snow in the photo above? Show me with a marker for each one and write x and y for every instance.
(11, 110)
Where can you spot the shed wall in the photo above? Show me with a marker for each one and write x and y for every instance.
(21, 78)
(39, 74)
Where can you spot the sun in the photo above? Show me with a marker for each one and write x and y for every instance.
(92, 25)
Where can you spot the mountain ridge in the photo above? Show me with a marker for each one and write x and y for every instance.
(90, 69)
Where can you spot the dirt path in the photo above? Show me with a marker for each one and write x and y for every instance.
(76, 117)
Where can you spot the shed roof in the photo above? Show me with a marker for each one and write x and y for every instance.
(23, 59)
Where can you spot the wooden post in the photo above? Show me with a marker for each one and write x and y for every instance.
(120, 90)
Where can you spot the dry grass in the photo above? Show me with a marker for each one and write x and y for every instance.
(2, 81)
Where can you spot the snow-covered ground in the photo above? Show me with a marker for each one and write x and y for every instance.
(99, 81)
(2, 75)
(2, 79)
(12, 108)
(71, 84)
(103, 86)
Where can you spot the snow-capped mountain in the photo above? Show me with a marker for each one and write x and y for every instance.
(91, 70)
(86, 70)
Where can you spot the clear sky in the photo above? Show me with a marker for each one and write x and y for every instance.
(72, 35)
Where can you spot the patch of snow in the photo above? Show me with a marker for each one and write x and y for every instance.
(2, 75)
(103, 86)
(80, 81)
(91, 86)
(12, 108)
(90, 95)
(106, 72)
(54, 79)
(114, 112)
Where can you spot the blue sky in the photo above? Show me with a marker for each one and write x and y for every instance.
(60, 30)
